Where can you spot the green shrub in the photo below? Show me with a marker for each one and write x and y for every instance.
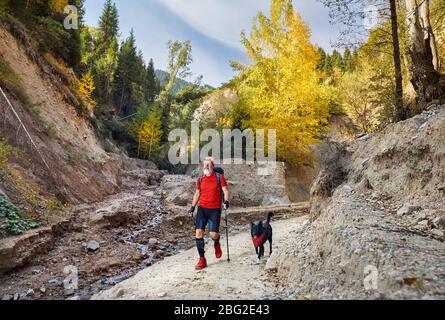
(15, 223)
(5, 152)
(61, 42)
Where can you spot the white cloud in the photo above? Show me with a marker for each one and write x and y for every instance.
(223, 20)
(219, 20)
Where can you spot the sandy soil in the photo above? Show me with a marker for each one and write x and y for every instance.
(176, 278)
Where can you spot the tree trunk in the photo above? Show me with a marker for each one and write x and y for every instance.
(424, 76)
(425, 22)
(400, 111)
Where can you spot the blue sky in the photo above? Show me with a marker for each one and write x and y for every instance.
(213, 27)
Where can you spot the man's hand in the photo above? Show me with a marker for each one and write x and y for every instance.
(226, 204)
(191, 211)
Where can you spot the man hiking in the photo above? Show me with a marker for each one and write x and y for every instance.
(211, 192)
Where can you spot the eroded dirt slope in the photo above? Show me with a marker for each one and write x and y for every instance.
(378, 219)
(79, 170)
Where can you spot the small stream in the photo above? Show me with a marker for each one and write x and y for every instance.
(150, 226)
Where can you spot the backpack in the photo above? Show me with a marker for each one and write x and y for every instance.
(218, 171)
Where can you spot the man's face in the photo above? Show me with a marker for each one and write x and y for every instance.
(207, 167)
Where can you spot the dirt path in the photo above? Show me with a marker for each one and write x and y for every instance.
(175, 277)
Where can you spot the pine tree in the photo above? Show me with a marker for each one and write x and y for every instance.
(348, 60)
(153, 85)
(127, 90)
(108, 24)
(103, 59)
(322, 61)
(337, 60)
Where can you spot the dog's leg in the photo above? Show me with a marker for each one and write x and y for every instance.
(259, 252)
(262, 251)
(270, 244)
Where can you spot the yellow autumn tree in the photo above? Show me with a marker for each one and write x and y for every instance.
(147, 130)
(57, 6)
(86, 88)
(281, 88)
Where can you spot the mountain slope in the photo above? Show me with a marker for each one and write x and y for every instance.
(79, 168)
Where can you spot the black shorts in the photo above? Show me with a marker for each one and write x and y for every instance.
(212, 216)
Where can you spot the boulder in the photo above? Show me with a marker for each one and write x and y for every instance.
(407, 209)
(259, 184)
(93, 245)
(271, 264)
(19, 250)
(178, 189)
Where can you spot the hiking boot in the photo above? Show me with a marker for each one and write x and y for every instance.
(202, 263)
(218, 251)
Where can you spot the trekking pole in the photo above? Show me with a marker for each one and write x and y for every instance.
(226, 214)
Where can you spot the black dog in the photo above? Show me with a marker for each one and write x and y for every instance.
(261, 233)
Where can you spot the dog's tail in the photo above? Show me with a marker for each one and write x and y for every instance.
(269, 216)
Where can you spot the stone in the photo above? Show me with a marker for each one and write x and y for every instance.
(42, 289)
(30, 292)
(35, 271)
(355, 245)
(407, 209)
(119, 293)
(439, 222)
(375, 195)
(93, 245)
(153, 241)
(437, 232)
(271, 264)
(162, 294)
(7, 297)
(55, 282)
(423, 223)
(158, 254)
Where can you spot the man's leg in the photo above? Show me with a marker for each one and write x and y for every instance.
(214, 222)
(200, 242)
(201, 222)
